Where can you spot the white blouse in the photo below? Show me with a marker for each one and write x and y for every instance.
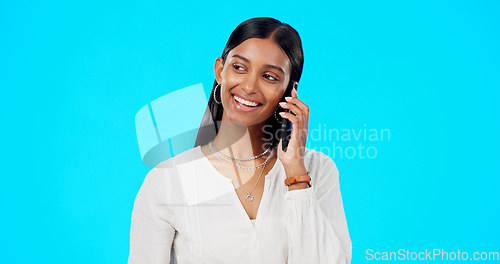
(185, 203)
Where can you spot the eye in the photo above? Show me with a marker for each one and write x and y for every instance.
(270, 77)
(238, 67)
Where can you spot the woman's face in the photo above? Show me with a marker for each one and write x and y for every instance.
(257, 71)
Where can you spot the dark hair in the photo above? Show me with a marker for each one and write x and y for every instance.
(261, 27)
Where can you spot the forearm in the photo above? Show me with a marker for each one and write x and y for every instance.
(299, 170)
(312, 237)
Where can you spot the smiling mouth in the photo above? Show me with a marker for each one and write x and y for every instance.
(245, 102)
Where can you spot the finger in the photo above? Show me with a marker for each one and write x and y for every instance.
(305, 116)
(295, 124)
(295, 109)
(279, 148)
(294, 93)
(299, 114)
(302, 106)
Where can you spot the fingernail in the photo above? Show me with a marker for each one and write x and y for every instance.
(281, 113)
(288, 98)
(282, 103)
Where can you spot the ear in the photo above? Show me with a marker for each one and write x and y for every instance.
(218, 67)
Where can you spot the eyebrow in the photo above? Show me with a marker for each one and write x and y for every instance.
(267, 65)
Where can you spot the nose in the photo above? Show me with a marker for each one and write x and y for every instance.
(250, 84)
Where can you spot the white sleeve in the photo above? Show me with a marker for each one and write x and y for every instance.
(315, 221)
(151, 231)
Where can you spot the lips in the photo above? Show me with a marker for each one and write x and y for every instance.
(246, 101)
(243, 107)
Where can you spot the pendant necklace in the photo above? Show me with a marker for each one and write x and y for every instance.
(248, 197)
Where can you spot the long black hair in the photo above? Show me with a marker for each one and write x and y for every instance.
(261, 27)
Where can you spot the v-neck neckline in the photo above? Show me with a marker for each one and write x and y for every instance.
(236, 199)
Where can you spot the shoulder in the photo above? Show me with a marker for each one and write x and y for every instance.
(321, 167)
(164, 181)
(168, 169)
(184, 157)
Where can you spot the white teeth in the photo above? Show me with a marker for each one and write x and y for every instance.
(245, 102)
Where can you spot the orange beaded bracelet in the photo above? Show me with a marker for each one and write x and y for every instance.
(300, 178)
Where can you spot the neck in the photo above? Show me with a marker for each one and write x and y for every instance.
(240, 141)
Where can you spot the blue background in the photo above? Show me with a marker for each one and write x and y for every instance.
(73, 75)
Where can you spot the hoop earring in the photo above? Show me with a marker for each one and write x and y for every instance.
(215, 90)
(276, 116)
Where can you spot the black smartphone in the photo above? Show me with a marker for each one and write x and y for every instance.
(286, 125)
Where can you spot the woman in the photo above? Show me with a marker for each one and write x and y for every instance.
(231, 198)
